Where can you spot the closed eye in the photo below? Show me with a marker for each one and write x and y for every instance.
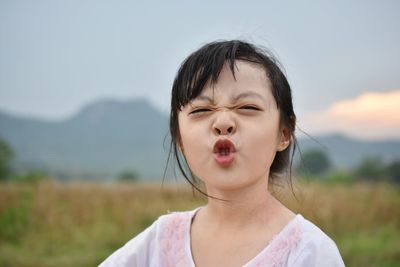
(200, 110)
(247, 107)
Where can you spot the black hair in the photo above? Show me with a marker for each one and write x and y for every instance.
(204, 66)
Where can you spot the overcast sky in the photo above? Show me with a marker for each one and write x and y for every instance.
(56, 56)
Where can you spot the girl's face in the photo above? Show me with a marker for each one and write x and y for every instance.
(230, 133)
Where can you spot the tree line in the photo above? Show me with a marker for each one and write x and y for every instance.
(316, 164)
(313, 165)
(7, 173)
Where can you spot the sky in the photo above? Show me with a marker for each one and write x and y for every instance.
(342, 58)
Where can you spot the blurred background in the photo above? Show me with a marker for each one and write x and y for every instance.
(84, 101)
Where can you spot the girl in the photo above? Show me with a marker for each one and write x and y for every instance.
(232, 126)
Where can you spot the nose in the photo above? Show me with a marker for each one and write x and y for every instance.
(224, 124)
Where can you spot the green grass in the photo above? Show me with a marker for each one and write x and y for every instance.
(373, 247)
(53, 224)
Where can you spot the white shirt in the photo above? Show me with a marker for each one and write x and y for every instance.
(166, 243)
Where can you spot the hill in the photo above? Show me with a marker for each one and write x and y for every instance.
(104, 138)
(107, 137)
(347, 152)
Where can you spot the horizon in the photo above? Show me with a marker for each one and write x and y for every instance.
(300, 132)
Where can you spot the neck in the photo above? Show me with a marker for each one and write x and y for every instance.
(253, 204)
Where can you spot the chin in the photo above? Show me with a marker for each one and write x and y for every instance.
(227, 184)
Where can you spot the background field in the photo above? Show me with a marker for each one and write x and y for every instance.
(80, 224)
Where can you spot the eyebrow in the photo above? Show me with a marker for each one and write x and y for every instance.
(233, 98)
(247, 94)
(205, 98)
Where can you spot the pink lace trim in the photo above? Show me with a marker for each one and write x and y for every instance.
(277, 254)
(174, 232)
(172, 240)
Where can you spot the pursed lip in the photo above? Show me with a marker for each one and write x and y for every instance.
(224, 152)
(224, 144)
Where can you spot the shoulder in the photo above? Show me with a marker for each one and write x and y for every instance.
(175, 218)
(313, 234)
(314, 248)
(144, 249)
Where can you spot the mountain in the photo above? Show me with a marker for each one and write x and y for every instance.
(104, 138)
(347, 152)
(109, 136)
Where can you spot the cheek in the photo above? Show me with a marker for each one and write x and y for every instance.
(262, 146)
(196, 155)
(193, 141)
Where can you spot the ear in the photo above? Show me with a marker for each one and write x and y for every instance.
(179, 142)
(284, 139)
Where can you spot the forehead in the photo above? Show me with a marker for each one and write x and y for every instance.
(247, 80)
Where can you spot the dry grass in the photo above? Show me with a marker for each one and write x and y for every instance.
(79, 224)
